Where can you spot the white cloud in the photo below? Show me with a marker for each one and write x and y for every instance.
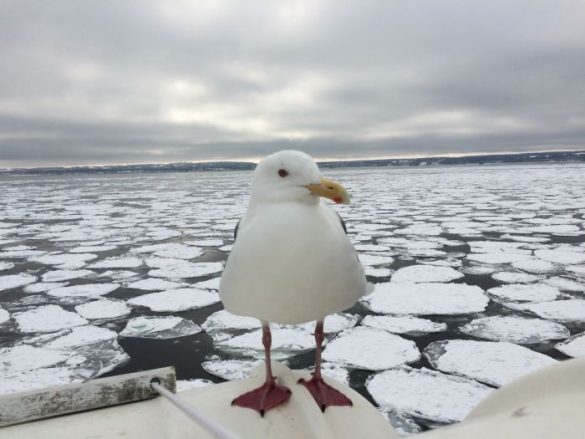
(184, 80)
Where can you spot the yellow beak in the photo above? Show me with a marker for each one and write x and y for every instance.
(330, 189)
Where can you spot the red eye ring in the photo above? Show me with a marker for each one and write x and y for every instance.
(282, 172)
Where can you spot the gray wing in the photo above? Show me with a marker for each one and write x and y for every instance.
(238, 226)
(341, 221)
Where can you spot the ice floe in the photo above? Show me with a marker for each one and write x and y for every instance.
(84, 290)
(285, 343)
(518, 330)
(129, 262)
(494, 246)
(176, 300)
(93, 249)
(197, 383)
(561, 256)
(103, 309)
(377, 271)
(573, 346)
(153, 284)
(493, 363)
(500, 257)
(578, 270)
(567, 311)
(76, 337)
(16, 280)
(335, 372)
(206, 242)
(525, 292)
(20, 254)
(159, 327)
(375, 260)
(565, 284)
(180, 269)
(61, 275)
(226, 321)
(4, 316)
(90, 351)
(48, 318)
(407, 325)
(370, 349)
(425, 273)
(534, 265)
(42, 287)
(526, 238)
(516, 277)
(230, 369)
(401, 422)
(65, 260)
(6, 266)
(119, 275)
(179, 251)
(560, 230)
(420, 229)
(479, 270)
(371, 248)
(426, 299)
(210, 284)
(333, 323)
(426, 394)
(14, 381)
(24, 357)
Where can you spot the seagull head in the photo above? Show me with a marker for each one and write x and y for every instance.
(294, 176)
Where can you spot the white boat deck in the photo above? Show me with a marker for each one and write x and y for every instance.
(549, 403)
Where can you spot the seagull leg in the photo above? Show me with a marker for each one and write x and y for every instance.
(270, 394)
(323, 394)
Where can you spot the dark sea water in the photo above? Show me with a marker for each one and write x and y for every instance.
(411, 216)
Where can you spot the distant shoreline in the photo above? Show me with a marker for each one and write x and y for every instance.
(486, 159)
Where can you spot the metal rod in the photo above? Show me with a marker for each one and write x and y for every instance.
(212, 427)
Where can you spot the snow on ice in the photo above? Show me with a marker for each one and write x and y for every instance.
(407, 325)
(159, 327)
(15, 281)
(176, 300)
(103, 309)
(48, 318)
(525, 293)
(425, 273)
(493, 363)
(370, 349)
(61, 275)
(84, 290)
(426, 299)
(514, 329)
(573, 346)
(426, 394)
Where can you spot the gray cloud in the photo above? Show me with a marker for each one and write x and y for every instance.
(139, 81)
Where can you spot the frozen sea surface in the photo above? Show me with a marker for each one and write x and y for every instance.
(474, 267)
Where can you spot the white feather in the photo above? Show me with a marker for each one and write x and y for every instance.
(291, 262)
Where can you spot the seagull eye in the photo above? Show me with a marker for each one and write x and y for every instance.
(282, 172)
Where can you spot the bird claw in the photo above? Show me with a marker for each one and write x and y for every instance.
(323, 394)
(264, 398)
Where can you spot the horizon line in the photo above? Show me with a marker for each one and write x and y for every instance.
(318, 159)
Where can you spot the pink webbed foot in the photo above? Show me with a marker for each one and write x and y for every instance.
(264, 398)
(325, 395)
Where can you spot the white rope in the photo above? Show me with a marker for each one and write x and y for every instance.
(212, 427)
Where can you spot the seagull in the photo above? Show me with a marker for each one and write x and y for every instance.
(291, 263)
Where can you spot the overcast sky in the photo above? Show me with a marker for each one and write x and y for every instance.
(119, 81)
